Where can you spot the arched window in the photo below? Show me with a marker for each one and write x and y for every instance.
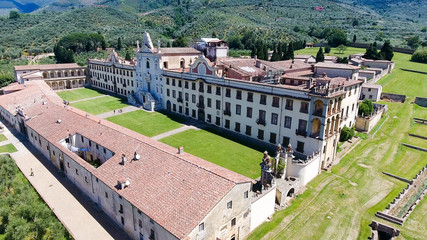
(148, 63)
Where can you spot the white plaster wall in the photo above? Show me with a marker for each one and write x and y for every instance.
(262, 208)
(305, 172)
(375, 93)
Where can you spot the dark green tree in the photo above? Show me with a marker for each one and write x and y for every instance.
(346, 134)
(420, 55)
(275, 56)
(319, 56)
(127, 56)
(327, 49)
(337, 37)
(180, 42)
(354, 38)
(14, 15)
(371, 52)
(386, 52)
(290, 51)
(235, 42)
(366, 108)
(119, 43)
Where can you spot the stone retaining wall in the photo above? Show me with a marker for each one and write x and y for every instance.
(421, 101)
(393, 97)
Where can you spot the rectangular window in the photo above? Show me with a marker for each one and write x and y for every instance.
(217, 121)
(274, 118)
(248, 130)
(218, 104)
(186, 97)
(173, 94)
(250, 97)
(167, 81)
(249, 112)
(288, 122)
(193, 98)
(289, 104)
(237, 127)
(140, 223)
(230, 205)
(193, 86)
(273, 138)
(179, 83)
(239, 94)
(209, 117)
(201, 227)
(121, 209)
(260, 134)
(209, 89)
(233, 222)
(304, 107)
(275, 102)
(302, 127)
(238, 109)
(186, 85)
(285, 141)
(167, 92)
(123, 221)
(300, 147)
(263, 100)
(152, 237)
(209, 102)
(173, 82)
(77, 171)
(106, 195)
(246, 194)
(228, 92)
(218, 91)
(227, 124)
(193, 113)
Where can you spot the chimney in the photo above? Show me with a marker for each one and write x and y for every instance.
(180, 149)
(123, 159)
(136, 156)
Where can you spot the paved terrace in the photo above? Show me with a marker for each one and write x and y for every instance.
(76, 212)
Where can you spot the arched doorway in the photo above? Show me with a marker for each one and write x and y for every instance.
(201, 114)
(291, 192)
(315, 127)
(168, 105)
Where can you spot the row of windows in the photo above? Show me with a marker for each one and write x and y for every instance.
(112, 78)
(113, 70)
(289, 102)
(111, 88)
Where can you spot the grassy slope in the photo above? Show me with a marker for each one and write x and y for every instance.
(219, 150)
(148, 124)
(357, 181)
(100, 105)
(78, 94)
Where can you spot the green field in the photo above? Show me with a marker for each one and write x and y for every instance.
(2, 138)
(100, 105)
(340, 204)
(78, 94)
(9, 148)
(148, 124)
(219, 150)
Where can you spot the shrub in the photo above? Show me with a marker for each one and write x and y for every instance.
(346, 133)
(327, 49)
(420, 55)
(366, 108)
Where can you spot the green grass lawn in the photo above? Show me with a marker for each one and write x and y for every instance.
(219, 150)
(100, 105)
(78, 94)
(9, 148)
(342, 203)
(2, 138)
(334, 52)
(148, 124)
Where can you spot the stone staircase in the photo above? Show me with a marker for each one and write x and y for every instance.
(144, 99)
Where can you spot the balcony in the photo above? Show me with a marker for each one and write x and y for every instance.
(318, 113)
(261, 122)
(179, 100)
(301, 132)
(227, 112)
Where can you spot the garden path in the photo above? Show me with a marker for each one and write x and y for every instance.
(116, 112)
(85, 99)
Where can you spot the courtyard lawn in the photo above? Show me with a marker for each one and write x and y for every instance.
(100, 105)
(9, 148)
(148, 124)
(78, 94)
(219, 150)
(342, 203)
(2, 138)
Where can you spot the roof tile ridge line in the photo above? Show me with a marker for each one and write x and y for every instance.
(182, 159)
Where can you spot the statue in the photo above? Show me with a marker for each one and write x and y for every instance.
(266, 175)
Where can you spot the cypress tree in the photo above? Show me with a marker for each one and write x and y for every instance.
(127, 57)
(320, 57)
(354, 38)
(290, 51)
(119, 43)
(371, 52)
(386, 52)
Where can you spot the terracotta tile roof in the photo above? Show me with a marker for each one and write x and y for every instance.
(175, 190)
(178, 50)
(335, 65)
(46, 67)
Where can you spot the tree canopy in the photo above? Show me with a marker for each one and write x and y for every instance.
(337, 37)
(366, 108)
(420, 55)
